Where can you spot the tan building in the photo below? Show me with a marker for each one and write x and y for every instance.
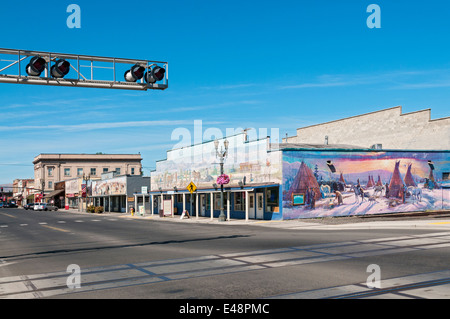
(386, 129)
(52, 168)
(22, 188)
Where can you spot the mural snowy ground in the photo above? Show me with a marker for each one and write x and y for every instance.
(373, 204)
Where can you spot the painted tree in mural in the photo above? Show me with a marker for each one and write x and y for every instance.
(303, 182)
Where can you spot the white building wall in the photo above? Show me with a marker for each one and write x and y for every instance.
(388, 127)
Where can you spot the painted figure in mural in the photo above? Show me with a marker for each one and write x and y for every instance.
(338, 197)
(403, 193)
(313, 198)
(387, 190)
(358, 190)
(361, 192)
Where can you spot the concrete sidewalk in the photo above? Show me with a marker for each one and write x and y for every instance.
(418, 220)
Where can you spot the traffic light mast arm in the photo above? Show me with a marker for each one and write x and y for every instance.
(58, 65)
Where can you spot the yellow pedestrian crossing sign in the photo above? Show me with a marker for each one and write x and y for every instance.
(191, 187)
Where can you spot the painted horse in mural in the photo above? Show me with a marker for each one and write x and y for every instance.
(378, 190)
(359, 192)
(325, 190)
(416, 193)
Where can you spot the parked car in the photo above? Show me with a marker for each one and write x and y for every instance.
(50, 207)
(29, 206)
(38, 206)
(11, 205)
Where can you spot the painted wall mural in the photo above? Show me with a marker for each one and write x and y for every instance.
(114, 186)
(247, 162)
(332, 183)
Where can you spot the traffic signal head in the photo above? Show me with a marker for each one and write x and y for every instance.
(135, 73)
(36, 66)
(155, 74)
(60, 68)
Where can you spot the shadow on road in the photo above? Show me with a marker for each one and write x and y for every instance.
(76, 250)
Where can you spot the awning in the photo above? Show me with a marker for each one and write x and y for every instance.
(54, 193)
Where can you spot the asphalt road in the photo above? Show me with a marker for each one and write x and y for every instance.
(122, 258)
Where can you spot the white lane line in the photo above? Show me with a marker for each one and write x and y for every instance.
(61, 222)
(23, 224)
(43, 223)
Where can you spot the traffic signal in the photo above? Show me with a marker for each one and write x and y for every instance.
(135, 73)
(155, 74)
(36, 66)
(60, 68)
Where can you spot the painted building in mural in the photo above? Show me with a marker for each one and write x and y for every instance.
(290, 181)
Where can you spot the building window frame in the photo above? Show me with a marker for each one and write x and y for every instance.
(67, 171)
(239, 201)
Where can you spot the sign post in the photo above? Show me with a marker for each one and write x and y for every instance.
(191, 188)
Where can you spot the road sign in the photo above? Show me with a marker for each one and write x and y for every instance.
(191, 187)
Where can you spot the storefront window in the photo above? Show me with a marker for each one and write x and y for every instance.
(217, 201)
(239, 201)
(272, 199)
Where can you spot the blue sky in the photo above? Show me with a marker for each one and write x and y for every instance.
(261, 64)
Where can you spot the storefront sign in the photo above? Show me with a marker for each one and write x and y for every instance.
(167, 207)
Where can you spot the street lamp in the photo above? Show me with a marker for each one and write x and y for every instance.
(86, 178)
(222, 154)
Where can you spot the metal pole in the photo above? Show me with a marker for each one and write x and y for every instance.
(190, 199)
(19, 65)
(222, 215)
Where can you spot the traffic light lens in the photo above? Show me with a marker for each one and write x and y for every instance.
(36, 66)
(156, 74)
(60, 69)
